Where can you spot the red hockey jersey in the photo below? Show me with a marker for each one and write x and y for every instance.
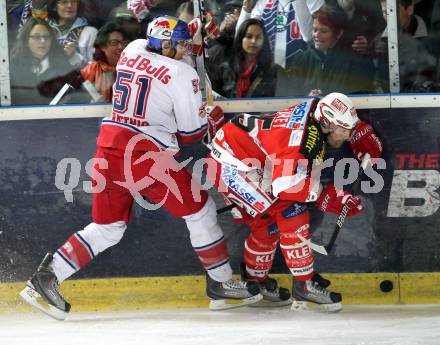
(284, 146)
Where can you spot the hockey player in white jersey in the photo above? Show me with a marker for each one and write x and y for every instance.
(157, 104)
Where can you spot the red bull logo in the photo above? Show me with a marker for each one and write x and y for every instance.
(163, 24)
(166, 23)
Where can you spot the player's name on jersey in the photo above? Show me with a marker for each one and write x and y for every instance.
(144, 65)
(129, 120)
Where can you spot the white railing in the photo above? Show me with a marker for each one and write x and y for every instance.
(228, 105)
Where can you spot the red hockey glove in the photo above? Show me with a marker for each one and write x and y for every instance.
(140, 8)
(195, 29)
(364, 140)
(331, 201)
(216, 119)
(212, 29)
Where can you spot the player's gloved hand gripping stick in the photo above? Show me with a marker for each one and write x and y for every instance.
(328, 247)
(346, 209)
(349, 208)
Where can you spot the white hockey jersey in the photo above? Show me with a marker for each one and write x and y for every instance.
(156, 96)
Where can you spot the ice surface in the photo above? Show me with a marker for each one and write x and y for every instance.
(355, 325)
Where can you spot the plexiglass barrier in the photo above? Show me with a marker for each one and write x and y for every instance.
(66, 51)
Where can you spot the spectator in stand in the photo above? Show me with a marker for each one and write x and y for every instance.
(36, 63)
(380, 57)
(410, 23)
(98, 12)
(221, 47)
(213, 8)
(325, 65)
(109, 44)
(435, 17)
(130, 25)
(94, 11)
(365, 22)
(14, 12)
(33, 8)
(287, 23)
(229, 14)
(417, 65)
(424, 9)
(434, 29)
(248, 71)
(74, 34)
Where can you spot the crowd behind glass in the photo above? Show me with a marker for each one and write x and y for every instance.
(257, 48)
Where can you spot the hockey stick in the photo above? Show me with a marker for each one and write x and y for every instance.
(328, 247)
(226, 208)
(316, 247)
(325, 250)
(60, 94)
(199, 9)
(91, 90)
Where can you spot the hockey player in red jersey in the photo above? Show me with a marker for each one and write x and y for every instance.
(157, 105)
(263, 164)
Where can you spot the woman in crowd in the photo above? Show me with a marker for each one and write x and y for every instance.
(248, 70)
(36, 63)
(73, 32)
(109, 44)
(326, 65)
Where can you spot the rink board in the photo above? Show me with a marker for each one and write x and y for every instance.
(189, 291)
(397, 232)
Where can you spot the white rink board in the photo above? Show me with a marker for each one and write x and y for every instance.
(355, 325)
(228, 105)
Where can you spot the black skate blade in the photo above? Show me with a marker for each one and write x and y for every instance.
(264, 303)
(225, 304)
(32, 297)
(311, 306)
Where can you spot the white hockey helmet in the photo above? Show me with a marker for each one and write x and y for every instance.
(336, 110)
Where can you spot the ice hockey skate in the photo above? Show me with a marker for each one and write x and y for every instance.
(310, 295)
(325, 283)
(42, 292)
(232, 293)
(273, 295)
